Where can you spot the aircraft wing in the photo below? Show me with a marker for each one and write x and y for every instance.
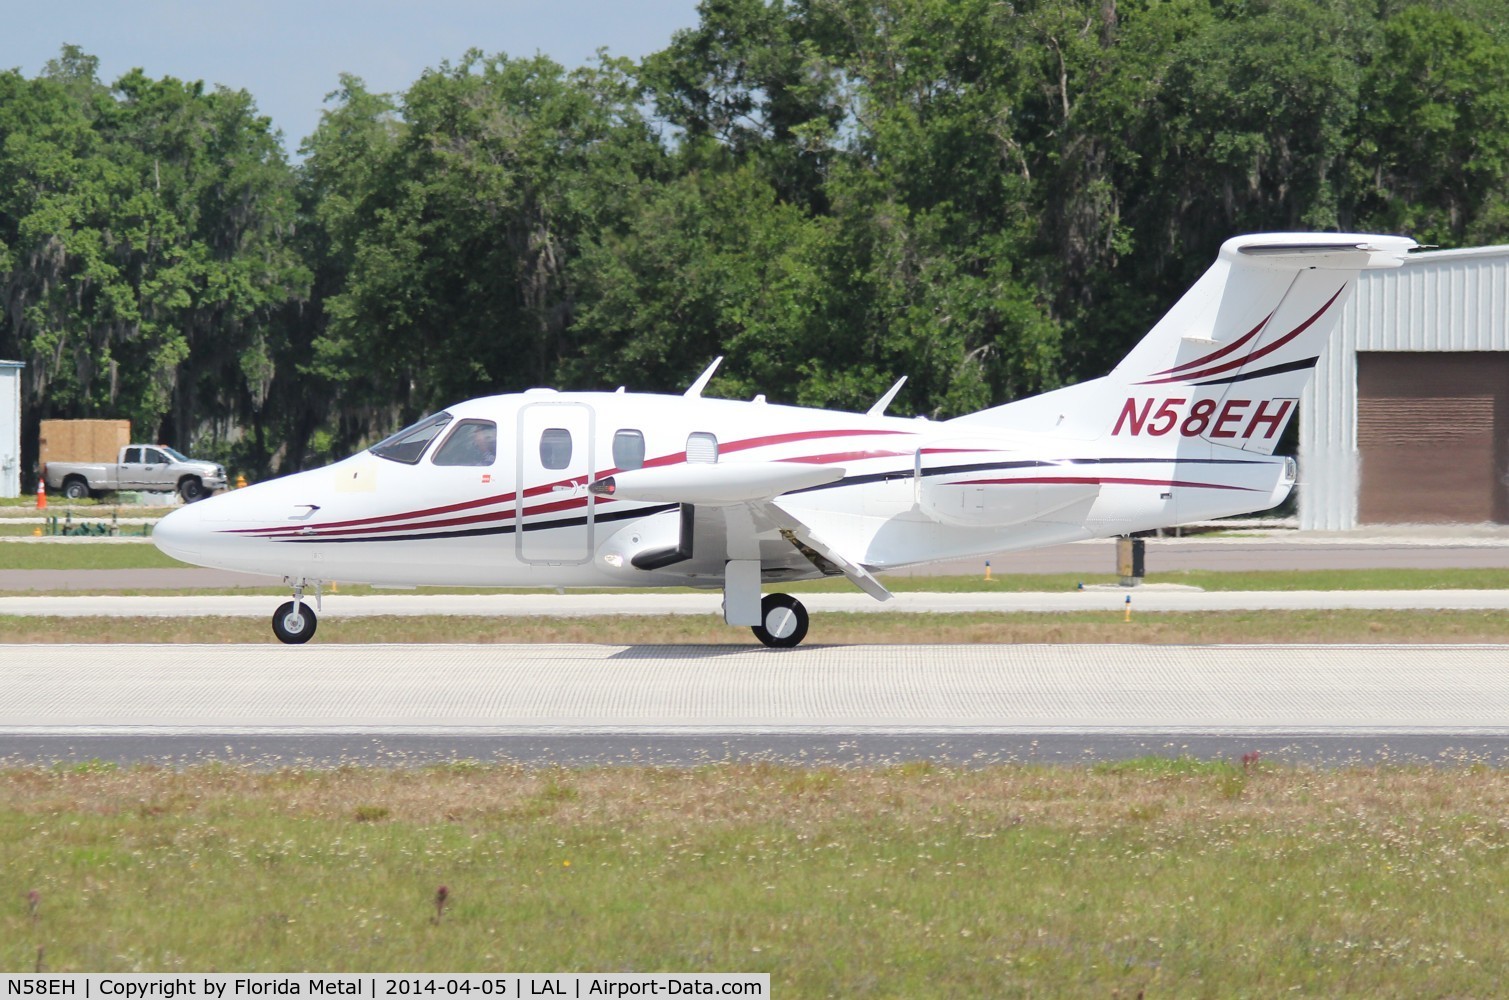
(714, 484)
(735, 504)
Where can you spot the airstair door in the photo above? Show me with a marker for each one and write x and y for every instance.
(556, 461)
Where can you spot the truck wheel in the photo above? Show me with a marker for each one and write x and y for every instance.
(192, 489)
(76, 489)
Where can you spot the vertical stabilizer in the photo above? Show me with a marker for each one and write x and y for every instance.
(1228, 361)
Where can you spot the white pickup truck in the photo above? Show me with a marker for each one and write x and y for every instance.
(141, 467)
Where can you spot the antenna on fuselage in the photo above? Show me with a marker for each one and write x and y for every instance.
(884, 401)
(695, 390)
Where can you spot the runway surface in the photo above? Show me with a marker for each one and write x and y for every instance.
(678, 704)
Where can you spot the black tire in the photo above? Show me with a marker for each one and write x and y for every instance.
(294, 622)
(783, 621)
(75, 488)
(191, 489)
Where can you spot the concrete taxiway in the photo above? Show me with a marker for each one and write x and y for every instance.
(568, 703)
(1106, 600)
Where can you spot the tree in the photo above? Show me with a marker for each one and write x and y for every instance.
(1432, 145)
(458, 280)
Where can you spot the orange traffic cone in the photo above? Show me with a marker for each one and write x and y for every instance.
(41, 493)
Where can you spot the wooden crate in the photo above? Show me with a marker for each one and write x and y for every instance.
(82, 440)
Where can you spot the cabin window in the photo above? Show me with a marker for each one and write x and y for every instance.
(555, 448)
(471, 442)
(133, 456)
(702, 447)
(155, 457)
(408, 445)
(628, 449)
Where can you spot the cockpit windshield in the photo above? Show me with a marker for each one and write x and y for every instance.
(408, 445)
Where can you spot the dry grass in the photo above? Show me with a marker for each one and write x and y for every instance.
(1170, 877)
(1343, 626)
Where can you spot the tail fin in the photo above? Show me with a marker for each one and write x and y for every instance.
(1228, 361)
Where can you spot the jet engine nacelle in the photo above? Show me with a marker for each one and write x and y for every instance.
(1003, 492)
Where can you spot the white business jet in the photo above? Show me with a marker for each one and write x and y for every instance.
(623, 489)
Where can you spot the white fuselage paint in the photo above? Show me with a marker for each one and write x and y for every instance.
(911, 491)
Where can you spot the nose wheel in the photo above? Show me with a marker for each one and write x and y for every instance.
(294, 622)
(783, 621)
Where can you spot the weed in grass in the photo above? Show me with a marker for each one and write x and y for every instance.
(92, 766)
(1232, 784)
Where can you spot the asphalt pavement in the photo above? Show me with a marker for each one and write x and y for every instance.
(401, 705)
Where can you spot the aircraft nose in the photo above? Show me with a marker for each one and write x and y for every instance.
(183, 534)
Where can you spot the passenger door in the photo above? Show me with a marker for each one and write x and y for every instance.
(555, 464)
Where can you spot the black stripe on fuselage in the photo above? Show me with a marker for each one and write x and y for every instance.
(502, 529)
(954, 470)
(847, 481)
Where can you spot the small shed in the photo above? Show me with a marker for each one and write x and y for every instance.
(1407, 418)
(10, 428)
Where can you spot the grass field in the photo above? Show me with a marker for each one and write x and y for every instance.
(1155, 877)
(1159, 877)
(85, 556)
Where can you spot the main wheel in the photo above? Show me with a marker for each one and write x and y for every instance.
(783, 621)
(294, 622)
(76, 489)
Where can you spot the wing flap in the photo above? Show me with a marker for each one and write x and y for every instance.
(818, 551)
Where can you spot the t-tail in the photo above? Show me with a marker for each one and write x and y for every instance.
(1228, 362)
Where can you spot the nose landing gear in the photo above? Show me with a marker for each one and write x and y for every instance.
(294, 622)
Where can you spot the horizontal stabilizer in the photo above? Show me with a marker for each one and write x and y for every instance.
(715, 484)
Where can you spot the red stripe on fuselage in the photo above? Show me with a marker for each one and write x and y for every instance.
(405, 521)
(844, 456)
(1100, 481)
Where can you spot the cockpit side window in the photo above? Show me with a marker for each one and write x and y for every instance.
(471, 442)
(408, 445)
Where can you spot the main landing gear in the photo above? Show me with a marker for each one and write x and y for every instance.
(783, 621)
(294, 622)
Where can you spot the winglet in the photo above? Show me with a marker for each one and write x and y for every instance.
(694, 391)
(884, 401)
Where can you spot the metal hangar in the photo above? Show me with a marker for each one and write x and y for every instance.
(1407, 418)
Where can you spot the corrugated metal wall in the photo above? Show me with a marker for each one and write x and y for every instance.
(10, 428)
(1448, 300)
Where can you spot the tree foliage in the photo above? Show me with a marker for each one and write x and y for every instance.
(991, 198)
